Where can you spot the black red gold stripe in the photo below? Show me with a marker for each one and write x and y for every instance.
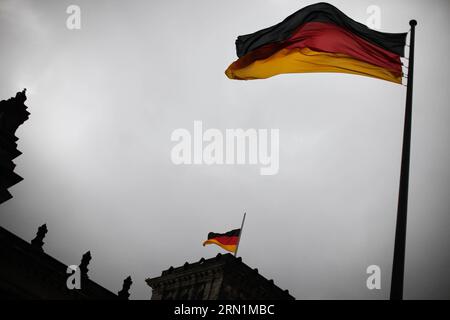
(318, 38)
(227, 241)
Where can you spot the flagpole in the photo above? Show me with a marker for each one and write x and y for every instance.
(398, 266)
(240, 234)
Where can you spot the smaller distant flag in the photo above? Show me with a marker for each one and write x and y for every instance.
(228, 241)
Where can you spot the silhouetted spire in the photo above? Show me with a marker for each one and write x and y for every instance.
(13, 112)
(21, 95)
(38, 241)
(84, 264)
(124, 293)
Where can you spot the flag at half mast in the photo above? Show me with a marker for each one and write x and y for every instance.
(319, 38)
(228, 241)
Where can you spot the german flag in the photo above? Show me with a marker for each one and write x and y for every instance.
(319, 38)
(227, 241)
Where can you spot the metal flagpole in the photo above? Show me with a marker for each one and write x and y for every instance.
(398, 266)
(240, 234)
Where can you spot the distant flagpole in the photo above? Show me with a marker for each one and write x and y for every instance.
(398, 266)
(240, 234)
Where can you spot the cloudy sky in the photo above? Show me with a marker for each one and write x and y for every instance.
(105, 99)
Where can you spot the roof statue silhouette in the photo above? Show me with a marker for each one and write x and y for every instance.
(84, 264)
(124, 294)
(38, 241)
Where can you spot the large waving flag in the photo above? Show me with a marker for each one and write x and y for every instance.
(318, 38)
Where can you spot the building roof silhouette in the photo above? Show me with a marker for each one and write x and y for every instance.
(223, 277)
(27, 272)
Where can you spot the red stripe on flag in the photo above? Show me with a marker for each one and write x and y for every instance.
(326, 37)
(227, 240)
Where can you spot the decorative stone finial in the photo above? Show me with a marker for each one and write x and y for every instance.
(124, 293)
(38, 241)
(84, 263)
(21, 96)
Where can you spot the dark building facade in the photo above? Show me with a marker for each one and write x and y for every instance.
(27, 272)
(223, 277)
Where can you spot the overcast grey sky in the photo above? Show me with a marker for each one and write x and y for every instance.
(105, 99)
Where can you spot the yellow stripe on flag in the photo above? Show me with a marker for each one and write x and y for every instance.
(230, 248)
(306, 60)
